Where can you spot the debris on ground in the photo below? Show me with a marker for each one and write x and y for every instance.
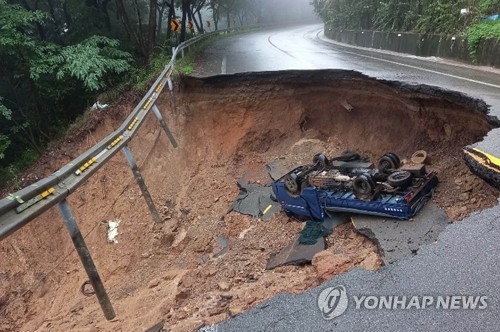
(240, 122)
(310, 241)
(296, 253)
(98, 106)
(397, 238)
(312, 231)
(255, 200)
(113, 230)
(278, 168)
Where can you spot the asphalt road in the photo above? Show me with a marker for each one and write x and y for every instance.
(306, 47)
(464, 260)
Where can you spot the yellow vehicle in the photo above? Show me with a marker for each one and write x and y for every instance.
(484, 165)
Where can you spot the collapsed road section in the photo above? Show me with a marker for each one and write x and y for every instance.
(203, 263)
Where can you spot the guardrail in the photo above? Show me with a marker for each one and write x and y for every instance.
(21, 207)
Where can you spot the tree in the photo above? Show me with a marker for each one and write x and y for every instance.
(44, 79)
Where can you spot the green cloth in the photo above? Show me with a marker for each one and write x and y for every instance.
(312, 231)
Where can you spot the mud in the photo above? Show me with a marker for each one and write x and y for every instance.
(227, 127)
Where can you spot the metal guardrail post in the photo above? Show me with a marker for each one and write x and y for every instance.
(88, 263)
(158, 115)
(171, 89)
(142, 185)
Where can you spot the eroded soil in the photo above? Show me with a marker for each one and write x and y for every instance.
(227, 127)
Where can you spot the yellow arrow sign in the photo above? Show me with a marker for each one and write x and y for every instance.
(175, 25)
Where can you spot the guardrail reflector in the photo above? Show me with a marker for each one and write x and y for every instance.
(113, 144)
(85, 166)
(132, 125)
(35, 200)
(158, 88)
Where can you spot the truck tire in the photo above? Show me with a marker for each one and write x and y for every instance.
(291, 184)
(363, 185)
(389, 161)
(399, 179)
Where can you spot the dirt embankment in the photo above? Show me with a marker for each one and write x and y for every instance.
(227, 127)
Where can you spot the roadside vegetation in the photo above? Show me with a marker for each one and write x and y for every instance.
(58, 57)
(422, 16)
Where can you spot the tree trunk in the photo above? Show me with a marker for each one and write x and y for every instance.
(185, 5)
(122, 13)
(159, 25)
(171, 14)
(201, 28)
(151, 29)
(215, 14)
(104, 8)
(196, 23)
(141, 34)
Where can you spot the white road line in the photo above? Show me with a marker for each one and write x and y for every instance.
(223, 67)
(413, 67)
(305, 63)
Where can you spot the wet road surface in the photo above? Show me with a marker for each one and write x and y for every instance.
(464, 260)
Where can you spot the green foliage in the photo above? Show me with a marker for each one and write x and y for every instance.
(487, 7)
(186, 69)
(442, 17)
(476, 32)
(426, 16)
(140, 77)
(4, 139)
(16, 25)
(4, 111)
(12, 173)
(4, 144)
(89, 61)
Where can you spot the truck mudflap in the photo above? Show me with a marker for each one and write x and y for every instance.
(306, 204)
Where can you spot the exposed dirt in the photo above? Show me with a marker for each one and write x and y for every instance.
(227, 127)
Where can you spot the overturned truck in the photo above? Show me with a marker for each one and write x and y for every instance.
(351, 183)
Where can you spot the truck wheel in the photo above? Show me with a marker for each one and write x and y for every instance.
(291, 184)
(363, 185)
(389, 161)
(399, 179)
